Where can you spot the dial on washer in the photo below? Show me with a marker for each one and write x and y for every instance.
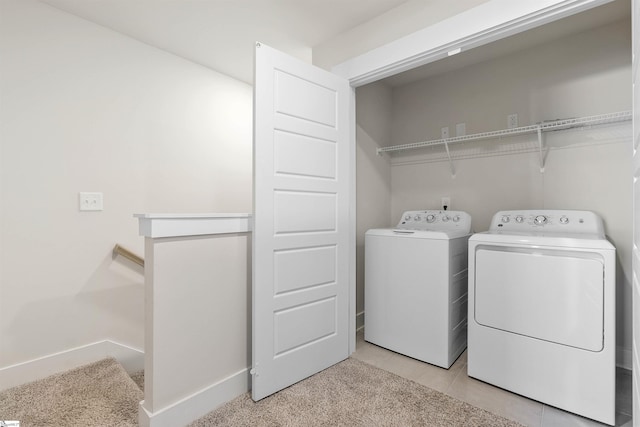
(540, 220)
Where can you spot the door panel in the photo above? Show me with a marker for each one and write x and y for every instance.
(300, 212)
(319, 318)
(304, 156)
(303, 268)
(302, 221)
(323, 108)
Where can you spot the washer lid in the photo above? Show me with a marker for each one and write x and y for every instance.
(417, 234)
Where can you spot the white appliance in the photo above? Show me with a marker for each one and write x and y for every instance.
(416, 286)
(542, 309)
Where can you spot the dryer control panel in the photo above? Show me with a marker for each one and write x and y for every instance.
(435, 221)
(549, 221)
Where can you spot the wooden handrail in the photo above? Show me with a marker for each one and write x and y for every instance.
(119, 250)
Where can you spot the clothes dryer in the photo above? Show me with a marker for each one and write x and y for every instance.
(542, 309)
(416, 286)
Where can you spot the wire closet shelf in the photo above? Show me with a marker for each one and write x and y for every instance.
(537, 128)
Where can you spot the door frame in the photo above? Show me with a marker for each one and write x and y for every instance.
(478, 26)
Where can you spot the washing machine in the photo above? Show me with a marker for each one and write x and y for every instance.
(542, 309)
(416, 286)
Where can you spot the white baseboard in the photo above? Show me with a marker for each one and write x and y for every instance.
(198, 404)
(359, 320)
(32, 370)
(131, 359)
(624, 358)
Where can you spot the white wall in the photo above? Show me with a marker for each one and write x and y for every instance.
(198, 299)
(580, 75)
(87, 109)
(373, 172)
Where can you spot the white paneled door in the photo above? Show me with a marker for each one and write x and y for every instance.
(302, 225)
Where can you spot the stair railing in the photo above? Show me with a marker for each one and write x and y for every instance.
(126, 253)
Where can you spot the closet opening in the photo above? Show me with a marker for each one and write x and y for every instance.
(576, 67)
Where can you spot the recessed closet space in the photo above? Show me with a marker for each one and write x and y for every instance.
(577, 67)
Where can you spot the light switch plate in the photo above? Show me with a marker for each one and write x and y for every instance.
(91, 201)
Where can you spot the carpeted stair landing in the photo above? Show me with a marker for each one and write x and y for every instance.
(351, 393)
(98, 394)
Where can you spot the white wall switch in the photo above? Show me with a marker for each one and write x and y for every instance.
(91, 201)
(461, 129)
(512, 121)
(445, 132)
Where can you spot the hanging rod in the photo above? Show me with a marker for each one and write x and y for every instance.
(540, 127)
(119, 250)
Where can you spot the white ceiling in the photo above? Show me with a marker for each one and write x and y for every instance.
(220, 34)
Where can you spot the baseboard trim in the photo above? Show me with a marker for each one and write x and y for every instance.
(198, 404)
(624, 358)
(359, 321)
(132, 359)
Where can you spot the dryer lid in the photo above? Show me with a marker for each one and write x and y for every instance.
(555, 296)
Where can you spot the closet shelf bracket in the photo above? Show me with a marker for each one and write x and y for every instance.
(541, 146)
(453, 170)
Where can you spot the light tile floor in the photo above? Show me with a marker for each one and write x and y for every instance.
(455, 382)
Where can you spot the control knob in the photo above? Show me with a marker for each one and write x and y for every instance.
(505, 218)
(564, 220)
(417, 217)
(519, 219)
(446, 218)
(407, 217)
(431, 218)
(540, 220)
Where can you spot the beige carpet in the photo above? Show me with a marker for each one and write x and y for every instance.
(99, 394)
(353, 393)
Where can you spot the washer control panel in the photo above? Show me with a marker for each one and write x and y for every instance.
(552, 221)
(435, 221)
